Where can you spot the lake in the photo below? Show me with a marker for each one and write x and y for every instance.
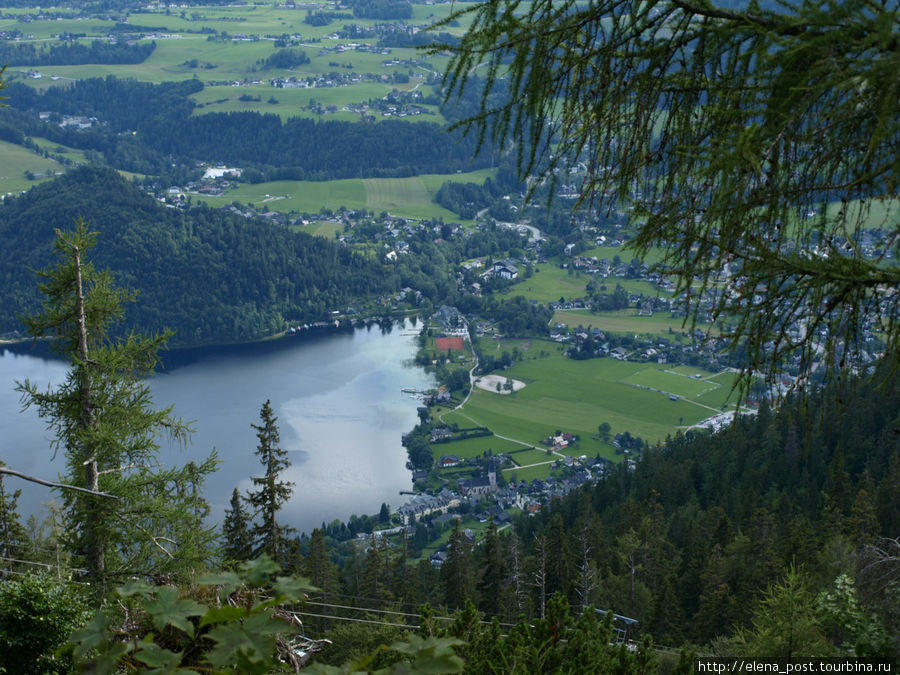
(338, 398)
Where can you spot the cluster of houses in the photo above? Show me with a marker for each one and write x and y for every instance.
(489, 501)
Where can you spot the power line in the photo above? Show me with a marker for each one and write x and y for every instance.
(384, 611)
(40, 564)
(347, 618)
(362, 609)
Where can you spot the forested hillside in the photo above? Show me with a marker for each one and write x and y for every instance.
(141, 127)
(210, 275)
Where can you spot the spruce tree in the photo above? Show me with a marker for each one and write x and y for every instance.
(237, 544)
(456, 572)
(268, 535)
(12, 534)
(124, 512)
(492, 571)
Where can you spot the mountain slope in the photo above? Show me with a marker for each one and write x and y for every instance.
(212, 276)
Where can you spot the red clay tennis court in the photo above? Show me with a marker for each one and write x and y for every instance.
(450, 343)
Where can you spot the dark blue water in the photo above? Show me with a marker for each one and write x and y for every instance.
(337, 396)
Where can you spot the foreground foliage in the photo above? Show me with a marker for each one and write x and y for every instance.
(161, 629)
(37, 615)
(250, 627)
(124, 512)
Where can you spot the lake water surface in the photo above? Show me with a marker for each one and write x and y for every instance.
(337, 396)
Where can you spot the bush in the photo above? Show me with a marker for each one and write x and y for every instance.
(37, 615)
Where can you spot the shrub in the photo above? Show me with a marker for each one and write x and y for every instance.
(37, 614)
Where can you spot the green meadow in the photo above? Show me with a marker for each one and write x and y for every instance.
(474, 447)
(529, 457)
(551, 282)
(321, 228)
(661, 324)
(221, 55)
(577, 396)
(15, 161)
(408, 197)
(530, 473)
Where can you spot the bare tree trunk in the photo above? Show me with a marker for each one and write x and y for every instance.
(92, 525)
(540, 576)
(515, 577)
(586, 577)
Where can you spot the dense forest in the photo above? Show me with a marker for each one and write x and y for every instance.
(210, 275)
(74, 53)
(141, 127)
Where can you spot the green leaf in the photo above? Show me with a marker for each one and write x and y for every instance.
(91, 636)
(155, 656)
(322, 669)
(258, 572)
(135, 587)
(432, 655)
(292, 588)
(253, 639)
(229, 581)
(222, 615)
(167, 609)
(107, 663)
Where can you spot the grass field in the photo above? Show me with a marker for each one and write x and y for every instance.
(409, 197)
(72, 154)
(576, 396)
(474, 447)
(185, 35)
(627, 321)
(530, 473)
(15, 161)
(526, 457)
(320, 228)
(295, 102)
(551, 282)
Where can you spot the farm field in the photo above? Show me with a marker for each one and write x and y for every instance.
(527, 457)
(320, 228)
(287, 103)
(409, 197)
(15, 160)
(217, 43)
(576, 396)
(528, 474)
(627, 321)
(551, 282)
(474, 447)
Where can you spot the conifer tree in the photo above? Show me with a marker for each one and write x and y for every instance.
(321, 571)
(236, 533)
(456, 572)
(268, 535)
(12, 534)
(124, 512)
(493, 572)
